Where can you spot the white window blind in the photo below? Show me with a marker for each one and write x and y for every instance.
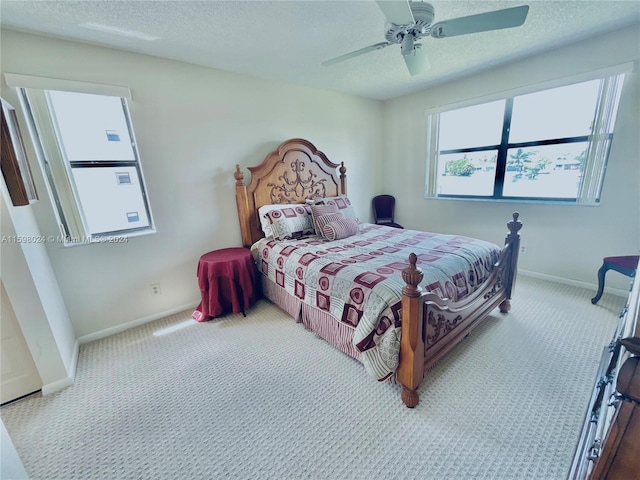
(598, 150)
(84, 137)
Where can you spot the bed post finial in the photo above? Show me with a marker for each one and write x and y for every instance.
(343, 178)
(514, 225)
(239, 176)
(412, 276)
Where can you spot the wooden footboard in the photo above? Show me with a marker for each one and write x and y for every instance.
(418, 352)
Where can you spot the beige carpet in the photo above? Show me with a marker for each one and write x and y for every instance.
(262, 398)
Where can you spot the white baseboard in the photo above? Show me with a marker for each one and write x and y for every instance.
(67, 381)
(574, 283)
(74, 360)
(56, 386)
(134, 323)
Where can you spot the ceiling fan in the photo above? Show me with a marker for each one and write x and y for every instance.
(409, 21)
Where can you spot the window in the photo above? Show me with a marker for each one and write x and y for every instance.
(91, 162)
(549, 145)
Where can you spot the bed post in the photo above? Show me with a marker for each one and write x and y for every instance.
(242, 202)
(411, 367)
(513, 239)
(343, 179)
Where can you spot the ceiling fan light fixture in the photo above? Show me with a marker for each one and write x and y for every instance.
(417, 60)
(406, 47)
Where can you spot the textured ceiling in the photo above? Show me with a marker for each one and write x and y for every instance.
(288, 40)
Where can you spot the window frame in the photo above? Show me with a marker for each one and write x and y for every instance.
(71, 164)
(431, 181)
(67, 203)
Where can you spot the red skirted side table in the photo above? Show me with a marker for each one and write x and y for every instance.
(228, 281)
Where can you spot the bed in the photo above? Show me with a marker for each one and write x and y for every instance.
(397, 300)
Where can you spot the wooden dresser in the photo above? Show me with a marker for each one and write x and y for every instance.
(609, 444)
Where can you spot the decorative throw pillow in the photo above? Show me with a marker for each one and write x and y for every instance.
(290, 221)
(319, 210)
(324, 220)
(265, 225)
(342, 202)
(339, 229)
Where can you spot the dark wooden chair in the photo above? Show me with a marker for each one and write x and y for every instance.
(383, 210)
(625, 265)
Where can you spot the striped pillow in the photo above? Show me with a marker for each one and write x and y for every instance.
(323, 220)
(339, 229)
(318, 211)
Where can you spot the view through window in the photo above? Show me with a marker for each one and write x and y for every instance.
(550, 145)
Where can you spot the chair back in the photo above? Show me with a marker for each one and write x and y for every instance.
(383, 208)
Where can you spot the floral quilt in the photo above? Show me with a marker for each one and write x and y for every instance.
(358, 280)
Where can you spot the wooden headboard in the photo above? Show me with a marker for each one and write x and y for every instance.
(293, 173)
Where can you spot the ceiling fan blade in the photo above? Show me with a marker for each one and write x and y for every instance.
(507, 18)
(397, 11)
(417, 61)
(356, 53)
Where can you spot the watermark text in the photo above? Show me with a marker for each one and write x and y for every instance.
(83, 239)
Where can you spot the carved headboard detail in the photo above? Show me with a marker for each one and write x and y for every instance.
(291, 174)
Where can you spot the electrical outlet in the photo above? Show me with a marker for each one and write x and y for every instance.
(523, 249)
(155, 289)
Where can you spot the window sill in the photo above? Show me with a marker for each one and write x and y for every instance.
(102, 239)
(513, 200)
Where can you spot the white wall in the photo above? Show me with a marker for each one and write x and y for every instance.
(192, 124)
(562, 241)
(35, 296)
